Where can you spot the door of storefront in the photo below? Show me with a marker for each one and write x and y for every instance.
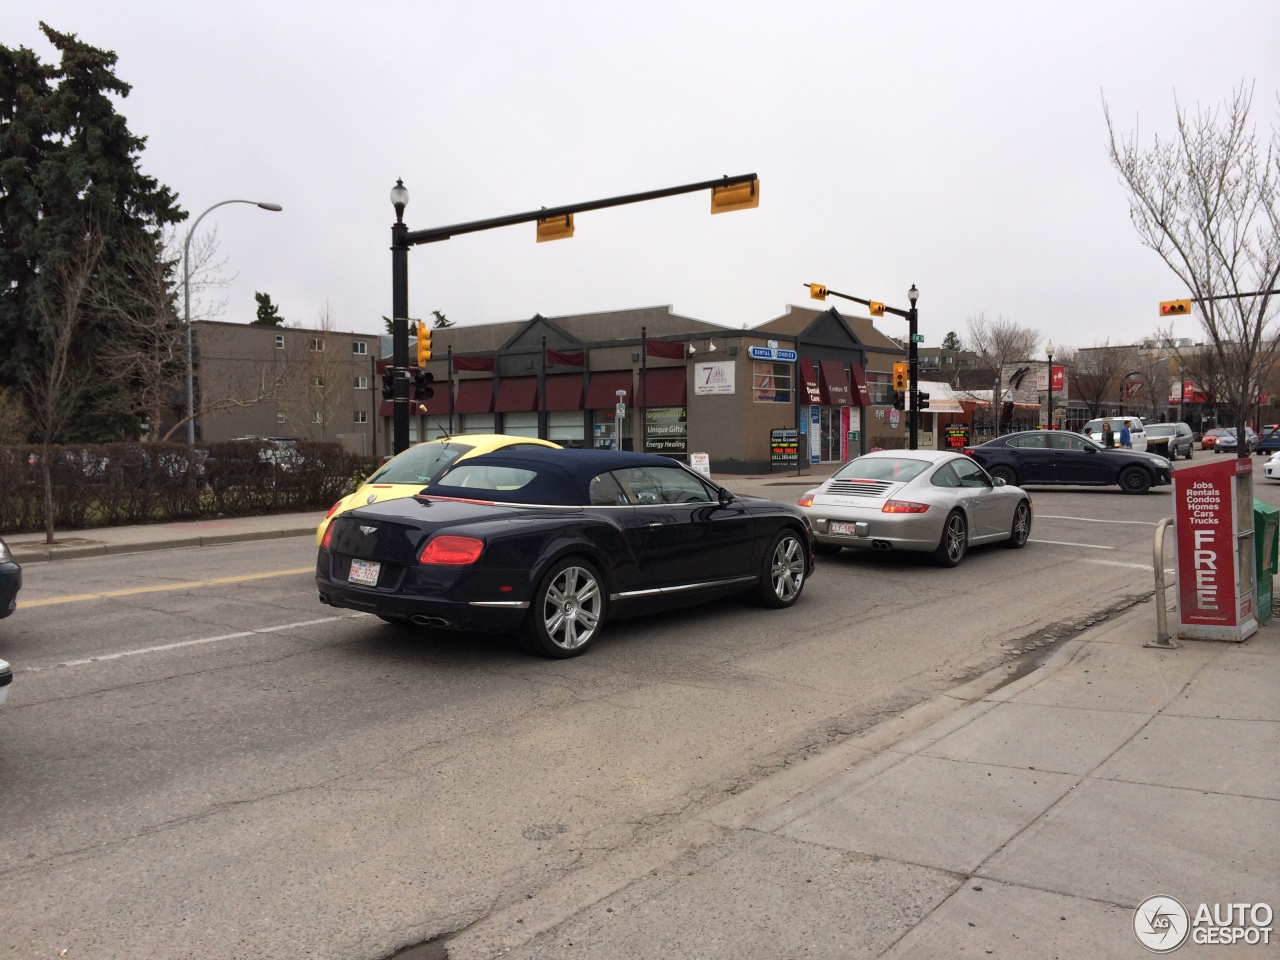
(829, 435)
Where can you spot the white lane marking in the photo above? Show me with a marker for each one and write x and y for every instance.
(188, 643)
(1121, 563)
(1064, 543)
(1050, 516)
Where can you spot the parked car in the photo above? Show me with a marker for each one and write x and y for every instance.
(1268, 440)
(1137, 431)
(1210, 438)
(1171, 440)
(409, 471)
(553, 543)
(936, 502)
(10, 581)
(1227, 442)
(1057, 456)
(1271, 469)
(6, 681)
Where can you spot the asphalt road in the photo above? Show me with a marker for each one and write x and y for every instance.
(199, 760)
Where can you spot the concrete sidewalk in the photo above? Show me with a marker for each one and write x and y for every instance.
(31, 548)
(1019, 820)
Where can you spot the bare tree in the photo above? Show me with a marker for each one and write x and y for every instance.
(55, 382)
(1207, 202)
(1097, 373)
(999, 343)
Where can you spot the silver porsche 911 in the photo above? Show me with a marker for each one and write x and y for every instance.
(931, 501)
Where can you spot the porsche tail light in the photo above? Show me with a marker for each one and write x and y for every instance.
(806, 500)
(328, 537)
(451, 551)
(903, 506)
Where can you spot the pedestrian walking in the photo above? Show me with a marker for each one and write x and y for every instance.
(1088, 432)
(1126, 439)
(1108, 435)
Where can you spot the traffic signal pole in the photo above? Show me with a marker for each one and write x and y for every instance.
(399, 335)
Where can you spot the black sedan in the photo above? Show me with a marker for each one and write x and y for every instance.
(551, 543)
(10, 581)
(1056, 456)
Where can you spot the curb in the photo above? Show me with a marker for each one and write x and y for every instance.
(42, 553)
(765, 805)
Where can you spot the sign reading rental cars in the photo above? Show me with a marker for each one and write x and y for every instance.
(1213, 519)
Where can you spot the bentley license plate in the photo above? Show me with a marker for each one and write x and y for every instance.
(364, 572)
(837, 526)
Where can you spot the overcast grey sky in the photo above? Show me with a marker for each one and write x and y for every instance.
(957, 146)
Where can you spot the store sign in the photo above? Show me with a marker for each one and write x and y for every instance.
(701, 463)
(784, 448)
(957, 436)
(713, 378)
(666, 430)
(772, 353)
(815, 434)
(1059, 379)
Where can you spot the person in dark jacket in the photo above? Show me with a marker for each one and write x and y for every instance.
(1108, 435)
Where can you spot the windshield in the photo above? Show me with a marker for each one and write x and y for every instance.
(420, 464)
(1161, 430)
(899, 469)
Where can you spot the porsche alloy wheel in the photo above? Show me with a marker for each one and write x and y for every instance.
(1021, 529)
(782, 578)
(567, 610)
(954, 542)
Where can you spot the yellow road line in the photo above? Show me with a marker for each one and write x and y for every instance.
(167, 586)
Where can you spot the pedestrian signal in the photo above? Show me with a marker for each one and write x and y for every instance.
(900, 376)
(422, 391)
(388, 382)
(817, 291)
(899, 400)
(876, 308)
(922, 399)
(424, 343)
(1174, 308)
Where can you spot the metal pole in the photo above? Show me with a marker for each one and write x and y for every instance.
(1050, 424)
(1162, 640)
(186, 306)
(399, 337)
(913, 362)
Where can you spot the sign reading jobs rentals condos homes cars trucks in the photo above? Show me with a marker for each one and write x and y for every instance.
(1213, 520)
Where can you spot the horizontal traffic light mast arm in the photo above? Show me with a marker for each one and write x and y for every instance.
(844, 296)
(1231, 296)
(431, 235)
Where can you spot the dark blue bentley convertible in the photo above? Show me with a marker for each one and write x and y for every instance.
(551, 543)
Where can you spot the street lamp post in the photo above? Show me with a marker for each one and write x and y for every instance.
(913, 361)
(186, 307)
(1048, 352)
(400, 321)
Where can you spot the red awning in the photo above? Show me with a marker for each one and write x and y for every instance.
(474, 396)
(664, 387)
(517, 395)
(564, 391)
(602, 393)
(835, 385)
(861, 393)
(809, 379)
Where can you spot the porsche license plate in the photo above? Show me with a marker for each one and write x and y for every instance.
(837, 526)
(364, 572)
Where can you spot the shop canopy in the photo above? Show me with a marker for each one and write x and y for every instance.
(809, 381)
(474, 396)
(835, 385)
(564, 391)
(664, 387)
(602, 393)
(517, 395)
(860, 391)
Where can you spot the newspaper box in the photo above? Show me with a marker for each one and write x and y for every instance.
(1213, 523)
(1266, 526)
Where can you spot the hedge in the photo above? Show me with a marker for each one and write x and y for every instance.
(115, 484)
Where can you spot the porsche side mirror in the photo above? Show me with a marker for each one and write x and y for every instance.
(997, 481)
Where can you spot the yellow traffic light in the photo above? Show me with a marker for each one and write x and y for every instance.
(1172, 308)
(817, 291)
(877, 309)
(424, 343)
(740, 196)
(557, 228)
(900, 375)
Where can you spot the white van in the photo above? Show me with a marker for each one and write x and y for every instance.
(1137, 434)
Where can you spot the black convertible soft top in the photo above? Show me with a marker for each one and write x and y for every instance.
(563, 477)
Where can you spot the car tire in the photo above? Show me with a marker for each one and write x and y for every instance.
(1020, 530)
(782, 570)
(1004, 473)
(1135, 480)
(827, 549)
(552, 629)
(954, 542)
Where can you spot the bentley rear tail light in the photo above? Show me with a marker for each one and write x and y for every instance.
(903, 506)
(328, 537)
(334, 509)
(451, 551)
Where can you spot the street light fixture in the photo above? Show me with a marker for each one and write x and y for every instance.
(1048, 352)
(186, 306)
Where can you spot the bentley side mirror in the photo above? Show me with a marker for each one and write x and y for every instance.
(726, 497)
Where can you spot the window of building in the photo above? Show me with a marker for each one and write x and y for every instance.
(279, 341)
(318, 382)
(362, 416)
(477, 423)
(317, 345)
(317, 417)
(360, 347)
(565, 428)
(878, 387)
(523, 424)
(361, 383)
(770, 382)
(280, 418)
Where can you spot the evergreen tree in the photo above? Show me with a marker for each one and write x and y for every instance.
(441, 320)
(268, 313)
(951, 342)
(68, 171)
